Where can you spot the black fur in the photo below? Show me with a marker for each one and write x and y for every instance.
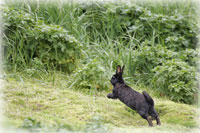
(142, 103)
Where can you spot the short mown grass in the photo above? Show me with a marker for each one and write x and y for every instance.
(54, 106)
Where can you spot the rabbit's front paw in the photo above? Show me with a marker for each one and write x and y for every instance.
(111, 95)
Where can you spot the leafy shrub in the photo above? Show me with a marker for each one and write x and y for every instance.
(175, 42)
(190, 56)
(172, 73)
(146, 58)
(92, 75)
(54, 46)
(177, 30)
(176, 79)
(33, 39)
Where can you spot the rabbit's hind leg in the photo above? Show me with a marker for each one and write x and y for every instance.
(147, 117)
(155, 115)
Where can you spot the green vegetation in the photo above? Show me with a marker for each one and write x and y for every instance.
(37, 44)
(39, 104)
(156, 42)
(59, 57)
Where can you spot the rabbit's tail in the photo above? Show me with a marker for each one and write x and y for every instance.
(148, 98)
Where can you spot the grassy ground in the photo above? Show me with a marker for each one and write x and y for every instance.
(110, 36)
(32, 103)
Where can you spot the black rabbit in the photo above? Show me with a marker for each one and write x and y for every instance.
(142, 103)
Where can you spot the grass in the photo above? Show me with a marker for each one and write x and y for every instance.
(148, 38)
(54, 106)
(46, 102)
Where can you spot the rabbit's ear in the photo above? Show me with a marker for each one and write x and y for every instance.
(118, 69)
(122, 69)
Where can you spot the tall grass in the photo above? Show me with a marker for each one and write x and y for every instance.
(143, 36)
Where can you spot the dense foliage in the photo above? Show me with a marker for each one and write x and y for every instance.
(156, 41)
(32, 42)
